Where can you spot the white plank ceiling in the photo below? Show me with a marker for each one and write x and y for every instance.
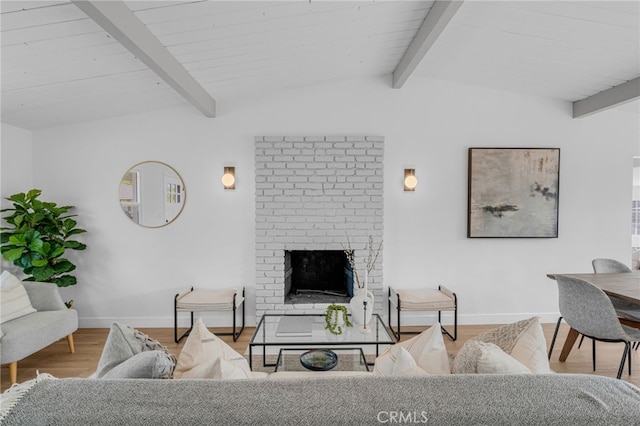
(60, 67)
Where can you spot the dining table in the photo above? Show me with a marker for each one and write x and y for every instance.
(624, 285)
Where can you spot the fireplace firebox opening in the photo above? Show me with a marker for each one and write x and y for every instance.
(317, 276)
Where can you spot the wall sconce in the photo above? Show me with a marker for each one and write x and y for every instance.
(410, 180)
(229, 178)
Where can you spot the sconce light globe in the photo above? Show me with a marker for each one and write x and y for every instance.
(228, 180)
(410, 182)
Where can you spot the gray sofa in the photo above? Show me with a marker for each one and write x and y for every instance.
(475, 399)
(30, 333)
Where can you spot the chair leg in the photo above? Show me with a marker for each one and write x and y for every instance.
(627, 347)
(593, 352)
(72, 348)
(580, 343)
(553, 339)
(13, 372)
(629, 355)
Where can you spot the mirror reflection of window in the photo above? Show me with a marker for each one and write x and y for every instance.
(129, 195)
(152, 194)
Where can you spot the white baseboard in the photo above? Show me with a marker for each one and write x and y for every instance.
(408, 318)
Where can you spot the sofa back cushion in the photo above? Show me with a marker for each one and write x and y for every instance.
(14, 300)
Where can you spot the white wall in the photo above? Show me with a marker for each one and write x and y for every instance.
(131, 274)
(16, 166)
(16, 159)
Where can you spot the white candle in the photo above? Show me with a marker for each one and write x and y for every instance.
(366, 278)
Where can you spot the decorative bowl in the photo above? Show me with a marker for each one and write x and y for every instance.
(319, 359)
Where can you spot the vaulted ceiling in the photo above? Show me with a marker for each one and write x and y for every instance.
(65, 62)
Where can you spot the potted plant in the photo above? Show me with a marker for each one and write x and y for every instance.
(336, 317)
(38, 235)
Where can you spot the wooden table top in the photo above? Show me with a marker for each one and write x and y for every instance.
(624, 285)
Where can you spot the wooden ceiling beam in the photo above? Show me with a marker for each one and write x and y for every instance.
(117, 19)
(617, 95)
(434, 23)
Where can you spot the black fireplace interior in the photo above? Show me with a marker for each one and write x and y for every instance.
(317, 276)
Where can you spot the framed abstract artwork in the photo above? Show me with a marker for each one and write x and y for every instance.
(513, 192)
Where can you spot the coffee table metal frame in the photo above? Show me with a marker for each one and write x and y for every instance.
(265, 335)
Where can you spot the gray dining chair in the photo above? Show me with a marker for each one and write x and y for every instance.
(588, 310)
(626, 309)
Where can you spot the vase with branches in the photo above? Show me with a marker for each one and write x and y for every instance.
(362, 302)
(372, 257)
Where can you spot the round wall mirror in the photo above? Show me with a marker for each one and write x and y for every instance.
(152, 194)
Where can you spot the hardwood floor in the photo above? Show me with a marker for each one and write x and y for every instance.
(57, 360)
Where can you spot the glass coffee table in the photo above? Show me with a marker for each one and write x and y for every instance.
(309, 333)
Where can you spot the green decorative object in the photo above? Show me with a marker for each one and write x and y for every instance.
(38, 235)
(335, 318)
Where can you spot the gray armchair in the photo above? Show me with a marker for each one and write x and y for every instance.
(30, 333)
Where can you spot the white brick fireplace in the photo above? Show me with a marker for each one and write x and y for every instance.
(312, 193)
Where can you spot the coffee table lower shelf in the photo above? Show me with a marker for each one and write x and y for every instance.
(349, 359)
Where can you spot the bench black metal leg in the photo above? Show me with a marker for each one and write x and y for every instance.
(396, 335)
(175, 320)
(175, 329)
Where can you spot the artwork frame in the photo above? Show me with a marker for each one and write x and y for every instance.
(513, 192)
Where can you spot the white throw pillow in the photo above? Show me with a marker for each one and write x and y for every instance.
(494, 360)
(531, 349)
(429, 351)
(14, 300)
(405, 365)
(200, 356)
(397, 361)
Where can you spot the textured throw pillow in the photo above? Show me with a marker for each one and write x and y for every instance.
(201, 355)
(486, 358)
(466, 360)
(144, 365)
(124, 342)
(14, 300)
(523, 340)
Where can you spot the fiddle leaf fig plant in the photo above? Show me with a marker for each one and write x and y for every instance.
(37, 238)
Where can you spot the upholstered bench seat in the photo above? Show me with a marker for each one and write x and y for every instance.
(423, 299)
(207, 300)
